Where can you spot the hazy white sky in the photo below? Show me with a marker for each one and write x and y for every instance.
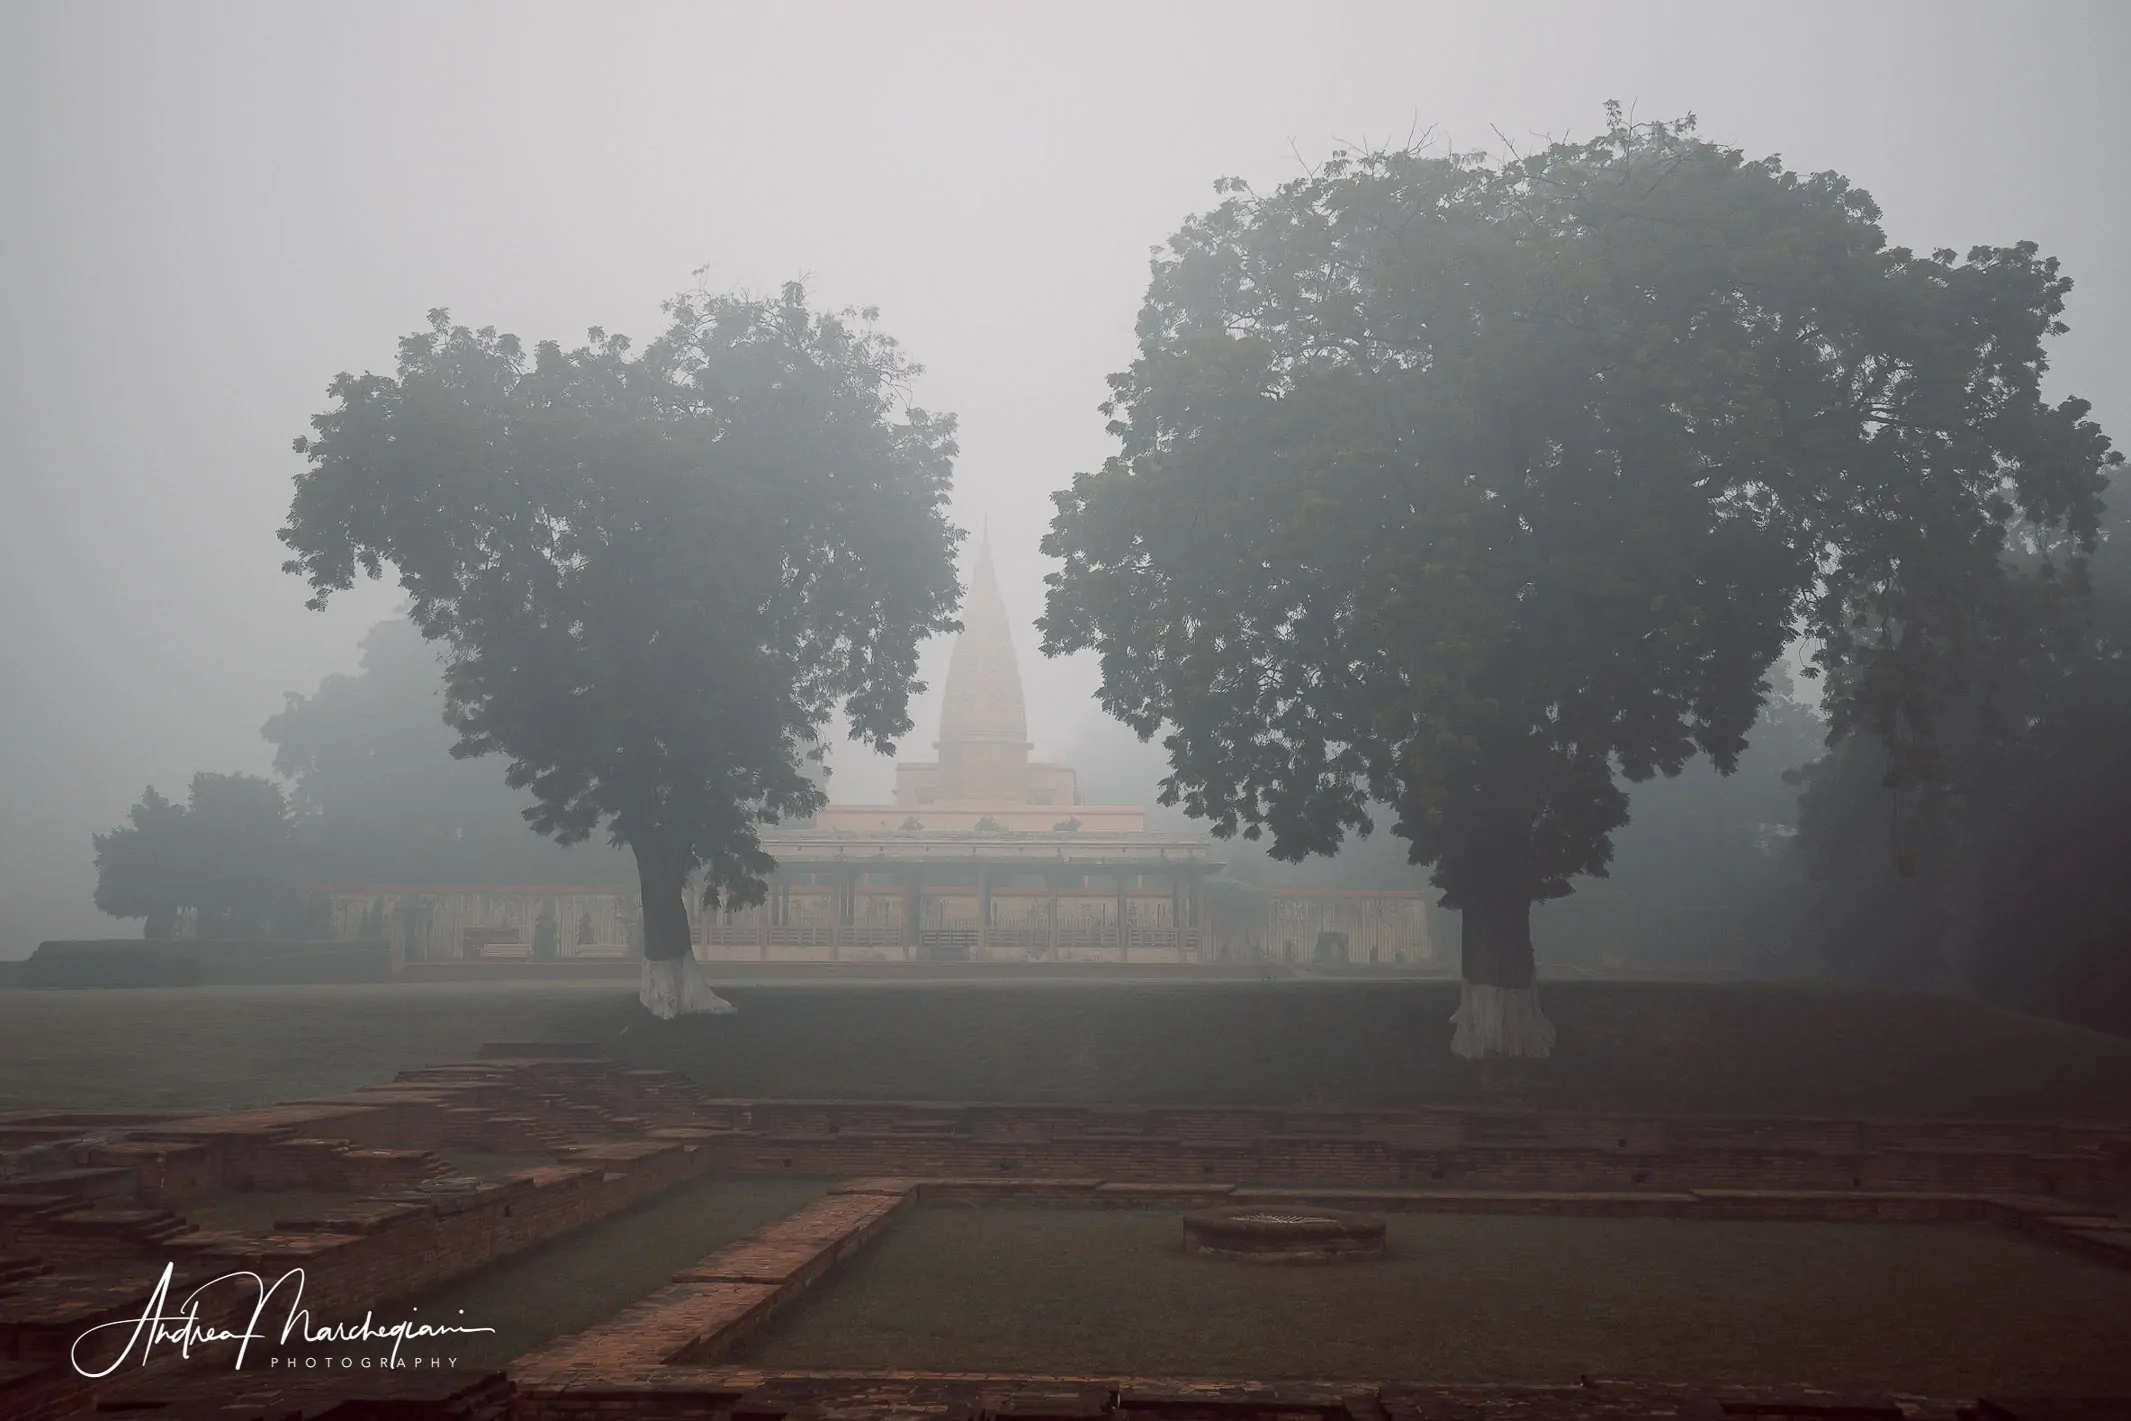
(206, 210)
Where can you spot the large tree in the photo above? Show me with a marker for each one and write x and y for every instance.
(230, 854)
(1471, 488)
(140, 865)
(369, 762)
(657, 576)
(2004, 875)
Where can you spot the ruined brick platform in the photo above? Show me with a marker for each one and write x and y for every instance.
(93, 1207)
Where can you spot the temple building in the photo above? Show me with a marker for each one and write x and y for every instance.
(983, 854)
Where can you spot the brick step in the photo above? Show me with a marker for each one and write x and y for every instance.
(1504, 1130)
(18, 1207)
(563, 1109)
(105, 1234)
(519, 1129)
(335, 1165)
(21, 1269)
(138, 1227)
(90, 1182)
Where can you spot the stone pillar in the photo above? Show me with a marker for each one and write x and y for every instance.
(1050, 882)
(769, 919)
(913, 915)
(846, 913)
(984, 913)
(1201, 924)
(1124, 921)
(1176, 910)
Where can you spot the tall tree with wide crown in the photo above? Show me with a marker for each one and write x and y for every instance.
(658, 577)
(1471, 488)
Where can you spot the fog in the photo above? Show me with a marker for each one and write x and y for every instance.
(211, 210)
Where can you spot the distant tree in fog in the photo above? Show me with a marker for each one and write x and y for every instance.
(230, 854)
(369, 761)
(1473, 489)
(140, 870)
(2004, 874)
(1698, 873)
(656, 576)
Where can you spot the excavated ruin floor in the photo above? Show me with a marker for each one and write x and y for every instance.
(650, 1241)
(584, 1278)
(1474, 1298)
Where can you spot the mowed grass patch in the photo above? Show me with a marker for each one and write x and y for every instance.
(234, 1048)
(1475, 1298)
(1655, 1047)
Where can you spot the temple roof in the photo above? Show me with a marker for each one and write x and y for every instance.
(982, 699)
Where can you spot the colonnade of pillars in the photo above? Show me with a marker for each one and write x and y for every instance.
(1186, 906)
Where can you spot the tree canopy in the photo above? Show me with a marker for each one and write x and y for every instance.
(2003, 875)
(230, 854)
(371, 774)
(140, 866)
(1697, 873)
(657, 576)
(1472, 488)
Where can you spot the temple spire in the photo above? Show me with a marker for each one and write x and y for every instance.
(983, 740)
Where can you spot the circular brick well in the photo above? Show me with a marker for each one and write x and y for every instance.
(1277, 1233)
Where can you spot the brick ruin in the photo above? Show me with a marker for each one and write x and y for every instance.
(94, 1205)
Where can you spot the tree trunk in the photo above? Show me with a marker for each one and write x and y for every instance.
(1498, 1003)
(162, 923)
(672, 983)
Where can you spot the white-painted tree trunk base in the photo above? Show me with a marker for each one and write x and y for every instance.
(1500, 1021)
(676, 987)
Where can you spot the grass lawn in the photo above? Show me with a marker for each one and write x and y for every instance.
(1640, 1046)
(1476, 1298)
(211, 1048)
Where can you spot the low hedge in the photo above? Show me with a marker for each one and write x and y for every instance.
(134, 962)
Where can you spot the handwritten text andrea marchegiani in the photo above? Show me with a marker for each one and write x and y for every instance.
(161, 1326)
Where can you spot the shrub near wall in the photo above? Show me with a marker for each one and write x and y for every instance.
(109, 964)
(132, 962)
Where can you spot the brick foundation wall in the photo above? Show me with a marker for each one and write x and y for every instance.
(1423, 1148)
